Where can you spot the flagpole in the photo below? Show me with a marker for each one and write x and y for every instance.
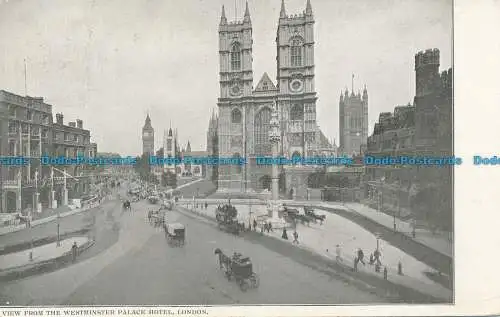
(26, 77)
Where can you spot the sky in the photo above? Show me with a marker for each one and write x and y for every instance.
(111, 62)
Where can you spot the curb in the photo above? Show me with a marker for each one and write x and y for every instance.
(402, 236)
(406, 236)
(36, 243)
(42, 266)
(35, 223)
(363, 280)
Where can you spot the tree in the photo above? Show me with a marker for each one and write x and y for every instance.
(142, 167)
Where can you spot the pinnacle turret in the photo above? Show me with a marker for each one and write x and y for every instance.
(223, 19)
(309, 10)
(247, 14)
(283, 11)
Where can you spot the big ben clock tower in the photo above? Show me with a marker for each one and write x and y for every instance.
(148, 137)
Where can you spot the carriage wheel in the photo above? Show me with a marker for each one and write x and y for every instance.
(254, 279)
(244, 285)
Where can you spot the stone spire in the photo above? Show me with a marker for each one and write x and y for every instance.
(223, 19)
(246, 18)
(283, 11)
(309, 10)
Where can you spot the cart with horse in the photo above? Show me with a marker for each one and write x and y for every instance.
(175, 234)
(239, 268)
(226, 217)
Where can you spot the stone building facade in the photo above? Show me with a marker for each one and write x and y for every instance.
(422, 129)
(28, 130)
(244, 111)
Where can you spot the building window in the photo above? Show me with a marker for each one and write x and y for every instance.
(236, 57)
(297, 112)
(29, 115)
(12, 111)
(264, 86)
(44, 133)
(296, 53)
(12, 127)
(236, 116)
(261, 131)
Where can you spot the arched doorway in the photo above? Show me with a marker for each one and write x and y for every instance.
(237, 167)
(265, 182)
(11, 201)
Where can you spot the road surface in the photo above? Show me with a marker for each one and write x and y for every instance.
(141, 269)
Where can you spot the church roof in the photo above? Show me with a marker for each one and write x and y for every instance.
(265, 84)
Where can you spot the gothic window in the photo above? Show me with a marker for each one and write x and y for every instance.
(264, 86)
(236, 57)
(261, 131)
(296, 52)
(236, 116)
(297, 112)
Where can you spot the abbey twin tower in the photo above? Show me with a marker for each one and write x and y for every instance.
(245, 110)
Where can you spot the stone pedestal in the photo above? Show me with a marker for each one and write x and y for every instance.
(65, 197)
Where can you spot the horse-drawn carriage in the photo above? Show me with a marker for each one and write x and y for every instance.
(175, 234)
(153, 199)
(295, 216)
(238, 267)
(226, 217)
(309, 211)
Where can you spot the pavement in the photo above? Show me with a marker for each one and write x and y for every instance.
(142, 269)
(39, 254)
(49, 215)
(439, 242)
(322, 239)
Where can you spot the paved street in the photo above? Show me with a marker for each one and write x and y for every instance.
(142, 269)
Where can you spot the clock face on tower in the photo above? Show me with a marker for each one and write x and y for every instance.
(296, 85)
(235, 90)
(146, 134)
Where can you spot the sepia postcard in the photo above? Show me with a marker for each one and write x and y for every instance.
(207, 158)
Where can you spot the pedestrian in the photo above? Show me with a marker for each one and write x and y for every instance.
(254, 225)
(361, 256)
(295, 237)
(206, 205)
(266, 228)
(284, 235)
(270, 226)
(377, 255)
(372, 259)
(338, 252)
(74, 251)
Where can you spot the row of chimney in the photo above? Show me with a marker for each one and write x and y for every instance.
(78, 124)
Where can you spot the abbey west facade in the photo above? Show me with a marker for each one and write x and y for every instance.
(245, 110)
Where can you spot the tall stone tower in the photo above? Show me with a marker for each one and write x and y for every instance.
(148, 137)
(427, 97)
(169, 150)
(236, 85)
(295, 82)
(353, 121)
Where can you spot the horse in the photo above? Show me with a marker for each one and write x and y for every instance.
(224, 260)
